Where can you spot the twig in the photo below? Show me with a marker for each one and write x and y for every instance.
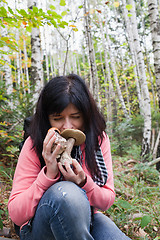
(149, 164)
(154, 161)
(14, 125)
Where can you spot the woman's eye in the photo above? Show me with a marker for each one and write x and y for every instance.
(76, 117)
(57, 119)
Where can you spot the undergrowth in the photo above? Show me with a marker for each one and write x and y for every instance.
(137, 205)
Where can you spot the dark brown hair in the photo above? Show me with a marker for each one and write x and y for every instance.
(54, 98)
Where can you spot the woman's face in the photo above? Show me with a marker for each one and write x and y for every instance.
(69, 118)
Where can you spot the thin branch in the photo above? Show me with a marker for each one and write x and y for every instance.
(67, 41)
(149, 164)
(154, 162)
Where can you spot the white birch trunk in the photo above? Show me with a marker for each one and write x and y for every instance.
(26, 65)
(6, 67)
(21, 72)
(69, 67)
(144, 87)
(126, 86)
(18, 51)
(78, 63)
(36, 59)
(155, 33)
(51, 47)
(18, 59)
(133, 55)
(45, 51)
(91, 54)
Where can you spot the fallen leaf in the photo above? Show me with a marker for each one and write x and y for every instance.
(155, 229)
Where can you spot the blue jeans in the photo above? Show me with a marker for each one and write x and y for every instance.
(63, 213)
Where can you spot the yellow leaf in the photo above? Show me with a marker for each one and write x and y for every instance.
(75, 29)
(72, 26)
(116, 4)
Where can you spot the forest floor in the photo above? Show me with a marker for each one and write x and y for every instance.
(133, 201)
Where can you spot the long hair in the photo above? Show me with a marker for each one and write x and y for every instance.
(54, 98)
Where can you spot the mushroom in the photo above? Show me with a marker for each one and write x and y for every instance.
(74, 137)
(59, 140)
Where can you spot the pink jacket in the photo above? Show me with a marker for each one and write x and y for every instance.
(30, 182)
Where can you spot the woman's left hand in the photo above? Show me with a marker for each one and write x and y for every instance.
(73, 174)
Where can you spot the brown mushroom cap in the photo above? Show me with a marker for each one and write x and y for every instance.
(78, 135)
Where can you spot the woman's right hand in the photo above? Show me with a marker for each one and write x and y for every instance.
(49, 155)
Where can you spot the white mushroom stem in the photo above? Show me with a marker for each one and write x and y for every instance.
(66, 155)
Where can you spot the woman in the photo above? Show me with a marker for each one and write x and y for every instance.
(50, 201)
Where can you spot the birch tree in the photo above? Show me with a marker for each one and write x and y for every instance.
(91, 54)
(7, 64)
(36, 58)
(26, 66)
(155, 33)
(143, 82)
(133, 54)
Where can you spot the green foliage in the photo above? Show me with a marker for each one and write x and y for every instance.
(14, 109)
(34, 18)
(155, 118)
(147, 173)
(137, 204)
(1, 222)
(126, 132)
(62, 2)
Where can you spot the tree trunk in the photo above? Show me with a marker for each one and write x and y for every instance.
(18, 59)
(144, 87)
(133, 55)
(26, 66)
(36, 59)
(91, 54)
(45, 52)
(155, 33)
(7, 68)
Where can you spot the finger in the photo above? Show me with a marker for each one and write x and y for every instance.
(49, 146)
(62, 169)
(56, 151)
(68, 168)
(48, 137)
(76, 165)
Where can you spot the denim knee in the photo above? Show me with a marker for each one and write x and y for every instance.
(64, 210)
(63, 195)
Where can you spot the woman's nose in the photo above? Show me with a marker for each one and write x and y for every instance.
(67, 124)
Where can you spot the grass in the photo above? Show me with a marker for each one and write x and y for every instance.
(137, 205)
